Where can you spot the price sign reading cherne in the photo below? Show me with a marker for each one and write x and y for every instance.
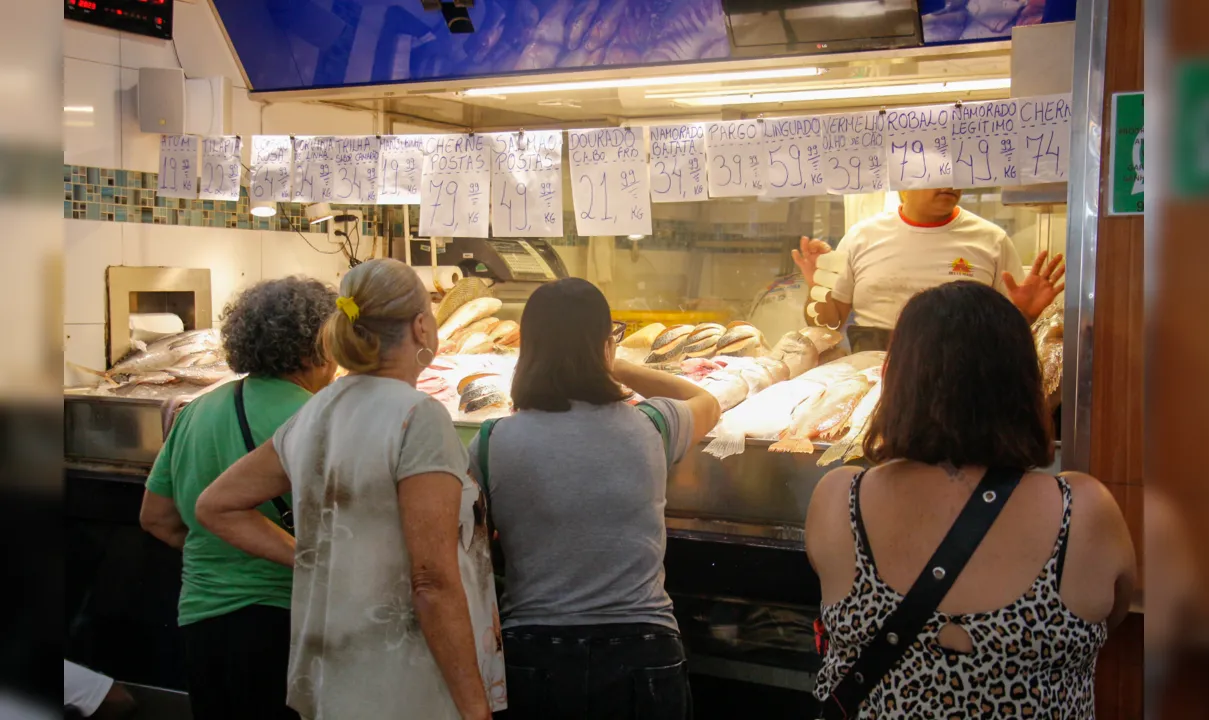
(1127, 185)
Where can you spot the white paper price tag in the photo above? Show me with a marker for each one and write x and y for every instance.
(793, 147)
(527, 184)
(220, 168)
(355, 170)
(455, 186)
(984, 144)
(678, 163)
(178, 167)
(854, 152)
(734, 148)
(270, 177)
(312, 178)
(402, 157)
(610, 186)
(919, 152)
(1043, 139)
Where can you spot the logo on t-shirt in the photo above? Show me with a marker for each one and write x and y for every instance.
(961, 266)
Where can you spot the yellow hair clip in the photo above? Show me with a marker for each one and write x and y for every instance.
(349, 307)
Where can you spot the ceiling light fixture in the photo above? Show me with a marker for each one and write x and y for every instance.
(630, 82)
(264, 208)
(846, 93)
(319, 212)
(77, 108)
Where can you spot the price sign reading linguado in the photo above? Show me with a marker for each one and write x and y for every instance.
(610, 186)
(455, 187)
(793, 147)
(527, 184)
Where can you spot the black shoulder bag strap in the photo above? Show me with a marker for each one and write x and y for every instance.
(283, 508)
(903, 625)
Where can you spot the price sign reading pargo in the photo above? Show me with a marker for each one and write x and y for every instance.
(610, 185)
(734, 150)
(455, 187)
(527, 184)
(854, 152)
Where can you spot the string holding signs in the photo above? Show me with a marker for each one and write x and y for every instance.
(220, 168)
(919, 152)
(854, 152)
(178, 167)
(312, 178)
(355, 170)
(984, 143)
(269, 179)
(401, 158)
(455, 186)
(527, 184)
(1044, 139)
(734, 149)
(610, 185)
(794, 149)
(678, 163)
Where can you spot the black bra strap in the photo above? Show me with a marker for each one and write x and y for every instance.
(1063, 531)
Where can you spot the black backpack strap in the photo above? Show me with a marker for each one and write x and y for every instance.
(283, 508)
(903, 625)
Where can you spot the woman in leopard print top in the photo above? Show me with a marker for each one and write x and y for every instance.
(1018, 634)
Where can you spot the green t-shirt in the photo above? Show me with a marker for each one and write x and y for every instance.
(205, 440)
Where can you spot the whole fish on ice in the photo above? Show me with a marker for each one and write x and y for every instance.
(851, 445)
(762, 415)
(819, 419)
(472, 311)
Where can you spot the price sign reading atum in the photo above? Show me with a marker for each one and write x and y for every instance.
(1044, 139)
(919, 147)
(734, 150)
(178, 166)
(610, 186)
(984, 141)
(269, 180)
(220, 168)
(527, 184)
(455, 186)
(793, 147)
(678, 163)
(854, 152)
(399, 175)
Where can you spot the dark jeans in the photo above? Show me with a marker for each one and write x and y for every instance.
(596, 672)
(237, 663)
(861, 339)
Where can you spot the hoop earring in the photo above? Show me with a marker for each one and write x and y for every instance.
(431, 356)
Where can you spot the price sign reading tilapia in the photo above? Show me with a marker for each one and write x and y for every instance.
(527, 184)
(610, 186)
(269, 180)
(854, 152)
(178, 166)
(984, 144)
(220, 168)
(401, 158)
(455, 186)
(1044, 139)
(734, 150)
(793, 148)
(919, 147)
(678, 163)
(312, 179)
(355, 170)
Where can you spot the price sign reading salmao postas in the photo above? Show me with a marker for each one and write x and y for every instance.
(1127, 178)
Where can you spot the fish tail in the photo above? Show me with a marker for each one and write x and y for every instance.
(857, 450)
(793, 445)
(835, 452)
(727, 442)
(89, 371)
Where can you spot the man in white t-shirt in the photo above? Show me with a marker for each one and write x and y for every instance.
(881, 262)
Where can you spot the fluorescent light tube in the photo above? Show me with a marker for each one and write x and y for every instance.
(844, 93)
(629, 82)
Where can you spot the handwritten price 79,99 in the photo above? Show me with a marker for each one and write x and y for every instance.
(450, 188)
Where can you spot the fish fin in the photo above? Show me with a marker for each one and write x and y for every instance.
(89, 371)
(792, 445)
(835, 452)
(856, 450)
(726, 442)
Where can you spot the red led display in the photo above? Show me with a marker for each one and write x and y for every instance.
(145, 17)
(88, 4)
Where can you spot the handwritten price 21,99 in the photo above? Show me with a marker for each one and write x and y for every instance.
(604, 190)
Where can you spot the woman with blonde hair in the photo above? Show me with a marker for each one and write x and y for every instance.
(394, 602)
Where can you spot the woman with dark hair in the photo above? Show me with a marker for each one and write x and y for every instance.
(235, 608)
(576, 481)
(957, 438)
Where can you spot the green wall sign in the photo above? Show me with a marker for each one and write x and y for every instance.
(1126, 178)
(1190, 159)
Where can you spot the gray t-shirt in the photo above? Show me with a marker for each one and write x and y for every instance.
(578, 499)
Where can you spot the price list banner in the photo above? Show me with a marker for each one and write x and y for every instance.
(678, 163)
(401, 158)
(734, 148)
(178, 166)
(312, 178)
(793, 148)
(220, 168)
(269, 180)
(610, 186)
(984, 144)
(854, 152)
(355, 170)
(919, 147)
(455, 186)
(1044, 139)
(527, 184)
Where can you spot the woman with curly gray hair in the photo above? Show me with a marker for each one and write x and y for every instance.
(234, 608)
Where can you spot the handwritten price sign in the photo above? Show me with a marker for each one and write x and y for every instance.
(734, 150)
(985, 144)
(610, 183)
(854, 152)
(355, 170)
(402, 157)
(178, 166)
(919, 154)
(527, 184)
(678, 163)
(270, 177)
(1044, 139)
(312, 179)
(455, 186)
(793, 148)
(220, 168)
